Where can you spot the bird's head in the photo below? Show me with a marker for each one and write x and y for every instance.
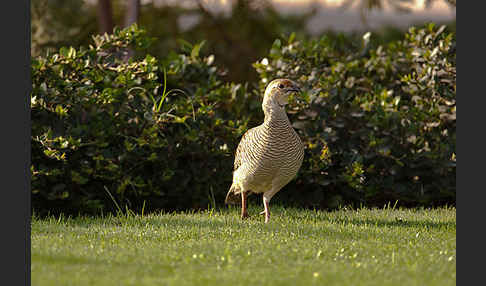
(277, 93)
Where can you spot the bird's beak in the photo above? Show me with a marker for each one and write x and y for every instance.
(294, 89)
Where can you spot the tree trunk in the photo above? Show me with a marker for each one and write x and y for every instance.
(131, 16)
(105, 17)
(133, 10)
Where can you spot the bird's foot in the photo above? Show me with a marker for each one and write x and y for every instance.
(267, 217)
(245, 215)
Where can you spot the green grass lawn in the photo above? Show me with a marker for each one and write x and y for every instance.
(298, 247)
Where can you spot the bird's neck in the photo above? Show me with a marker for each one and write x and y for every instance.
(275, 116)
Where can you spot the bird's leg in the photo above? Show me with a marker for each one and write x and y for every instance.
(263, 211)
(244, 212)
(266, 203)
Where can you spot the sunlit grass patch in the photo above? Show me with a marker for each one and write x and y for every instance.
(298, 247)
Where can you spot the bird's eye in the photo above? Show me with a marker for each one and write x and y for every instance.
(280, 86)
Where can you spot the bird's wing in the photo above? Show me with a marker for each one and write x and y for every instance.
(242, 147)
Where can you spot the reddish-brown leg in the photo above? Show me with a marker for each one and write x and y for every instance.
(244, 212)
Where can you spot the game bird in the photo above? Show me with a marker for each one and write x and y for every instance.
(269, 155)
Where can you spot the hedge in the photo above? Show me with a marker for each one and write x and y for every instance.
(380, 120)
(110, 134)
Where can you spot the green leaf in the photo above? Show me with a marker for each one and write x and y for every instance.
(291, 38)
(71, 53)
(63, 51)
(196, 49)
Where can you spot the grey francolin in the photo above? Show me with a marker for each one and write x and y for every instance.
(269, 155)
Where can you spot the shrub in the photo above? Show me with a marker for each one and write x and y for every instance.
(380, 122)
(138, 134)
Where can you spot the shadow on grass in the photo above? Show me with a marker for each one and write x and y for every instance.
(392, 223)
(229, 218)
(66, 260)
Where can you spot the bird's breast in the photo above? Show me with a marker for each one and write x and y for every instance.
(275, 152)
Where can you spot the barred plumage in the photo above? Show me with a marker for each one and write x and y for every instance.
(269, 155)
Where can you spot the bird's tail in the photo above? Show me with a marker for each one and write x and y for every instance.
(232, 197)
